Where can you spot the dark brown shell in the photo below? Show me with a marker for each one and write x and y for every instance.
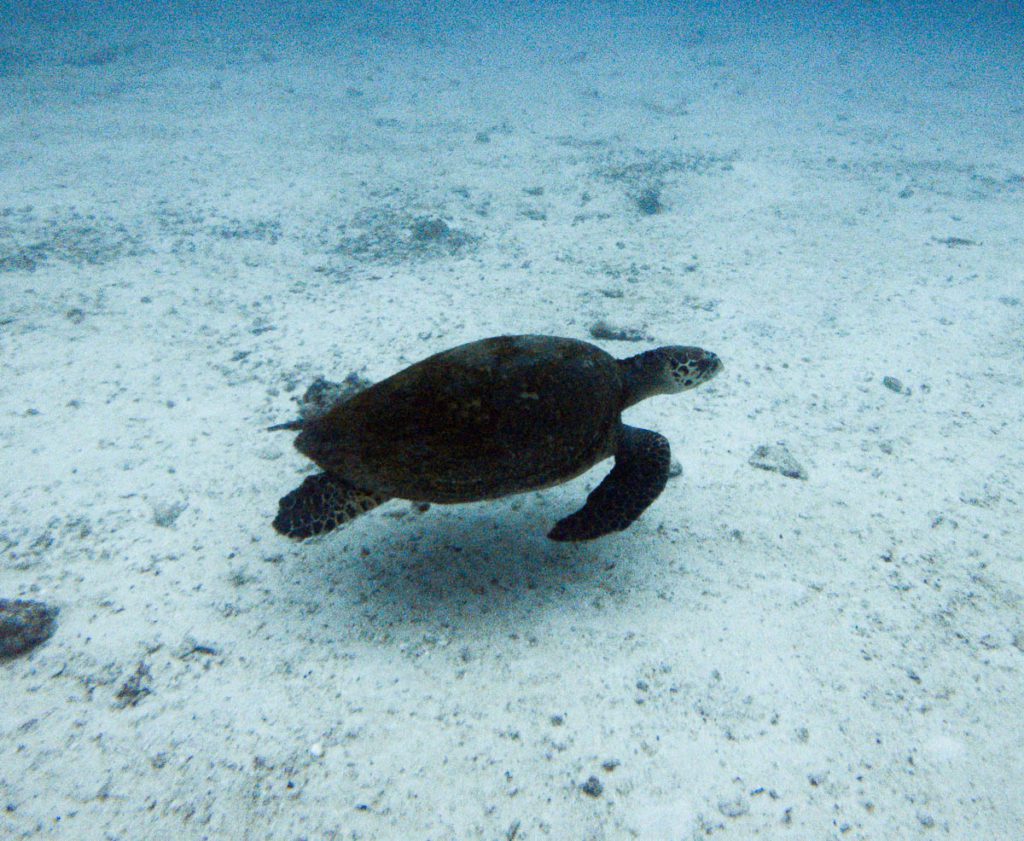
(481, 420)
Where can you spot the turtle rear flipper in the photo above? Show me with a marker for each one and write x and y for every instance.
(640, 473)
(320, 504)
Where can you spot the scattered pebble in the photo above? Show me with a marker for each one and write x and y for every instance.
(894, 384)
(778, 459)
(603, 330)
(190, 646)
(165, 513)
(24, 624)
(593, 787)
(323, 395)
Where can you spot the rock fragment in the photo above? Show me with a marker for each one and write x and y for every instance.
(24, 625)
(778, 459)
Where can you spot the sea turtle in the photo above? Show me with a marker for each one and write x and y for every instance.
(490, 418)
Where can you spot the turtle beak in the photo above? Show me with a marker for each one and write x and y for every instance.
(710, 365)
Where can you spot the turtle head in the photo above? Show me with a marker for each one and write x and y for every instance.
(667, 370)
(684, 367)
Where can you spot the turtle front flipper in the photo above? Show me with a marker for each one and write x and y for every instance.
(322, 503)
(640, 473)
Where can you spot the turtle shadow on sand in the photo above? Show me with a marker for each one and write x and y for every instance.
(486, 560)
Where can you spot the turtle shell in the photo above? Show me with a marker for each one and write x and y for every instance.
(478, 421)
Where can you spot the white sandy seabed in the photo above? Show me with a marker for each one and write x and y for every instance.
(198, 220)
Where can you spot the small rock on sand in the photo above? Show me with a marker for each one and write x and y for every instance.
(24, 624)
(778, 459)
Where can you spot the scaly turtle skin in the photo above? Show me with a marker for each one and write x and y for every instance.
(490, 418)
